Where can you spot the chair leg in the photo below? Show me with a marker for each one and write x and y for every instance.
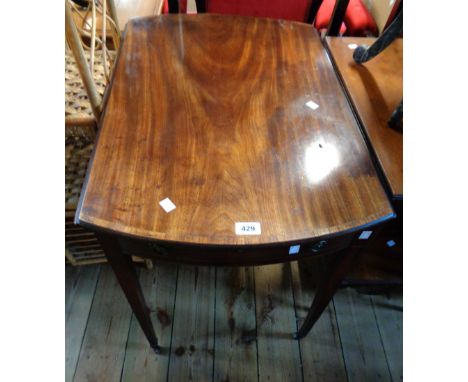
(327, 288)
(396, 119)
(363, 54)
(125, 272)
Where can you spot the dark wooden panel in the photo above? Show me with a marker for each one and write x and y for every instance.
(375, 89)
(211, 112)
(383, 261)
(232, 255)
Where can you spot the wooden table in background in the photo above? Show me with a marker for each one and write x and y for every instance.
(375, 88)
(212, 112)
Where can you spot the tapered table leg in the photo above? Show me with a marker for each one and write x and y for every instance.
(125, 272)
(327, 287)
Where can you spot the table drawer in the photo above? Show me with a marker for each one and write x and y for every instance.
(229, 255)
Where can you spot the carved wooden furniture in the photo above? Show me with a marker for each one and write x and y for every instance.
(375, 89)
(364, 53)
(243, 125)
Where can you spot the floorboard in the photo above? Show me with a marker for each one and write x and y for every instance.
(192, 350)
(360, 338)
(80, 285)
(389, 313)
(322, 358)
(102, 353)
(278, 353)
(206, 320)
(235, 336)
(141, 362)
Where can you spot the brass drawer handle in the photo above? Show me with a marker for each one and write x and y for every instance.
(319, 246)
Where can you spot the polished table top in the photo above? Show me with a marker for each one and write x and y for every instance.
(211, 112)
(375, 89)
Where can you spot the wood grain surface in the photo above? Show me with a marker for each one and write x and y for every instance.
(210, 111)
(375, 89)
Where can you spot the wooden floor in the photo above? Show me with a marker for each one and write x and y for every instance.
(228, 324)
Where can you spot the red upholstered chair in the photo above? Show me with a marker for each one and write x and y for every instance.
(296, 10)
(324, 15)
(357, 18)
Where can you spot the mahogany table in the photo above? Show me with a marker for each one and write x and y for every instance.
(242, 124)
(375, 88)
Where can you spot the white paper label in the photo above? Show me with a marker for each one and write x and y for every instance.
(293, 249)
(352, 46)
(312, 105)
(167, 205)
(248, 228)
(365, 235)
(391, 243)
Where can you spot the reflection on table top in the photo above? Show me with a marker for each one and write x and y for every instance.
(375, 89)
(219, 114)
